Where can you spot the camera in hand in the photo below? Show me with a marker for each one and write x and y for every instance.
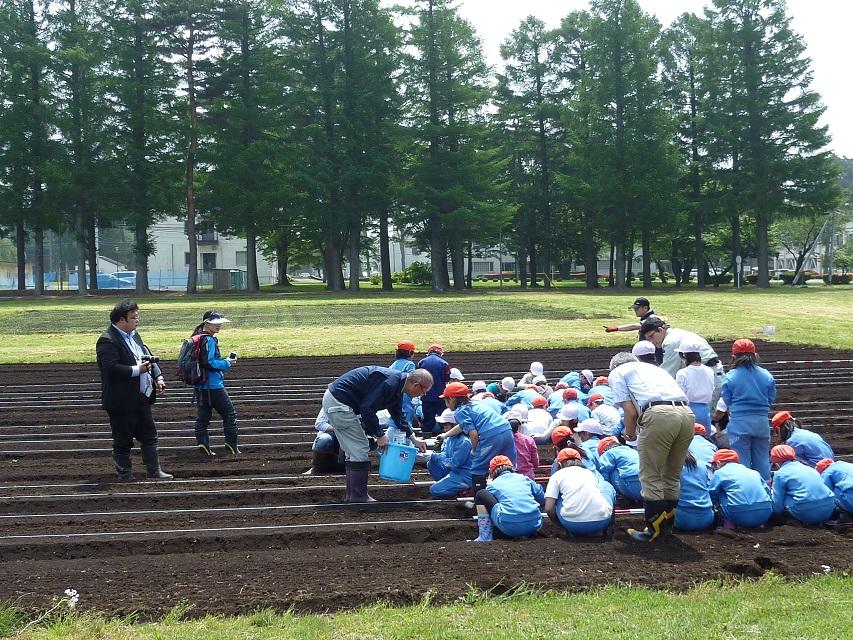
(233, 355)
(150, 359)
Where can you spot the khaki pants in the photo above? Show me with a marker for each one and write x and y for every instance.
(348, 429)
(665, 434)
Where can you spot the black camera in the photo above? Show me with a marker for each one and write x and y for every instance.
(233, 355)
(150, 359)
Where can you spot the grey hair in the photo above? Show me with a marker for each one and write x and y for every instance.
(623, 357)
(422, 377)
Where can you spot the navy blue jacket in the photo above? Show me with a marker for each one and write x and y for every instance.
(367, 390)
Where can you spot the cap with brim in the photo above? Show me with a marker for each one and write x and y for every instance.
(536, 368)
(216, 318)
(478, 386)
(569, 411)
(689, 346)
(643, 348)
(539, 379)
(447, 417)
(456, 374)
(588, 376)
(590, 425)
(508, 383)
(641, 302)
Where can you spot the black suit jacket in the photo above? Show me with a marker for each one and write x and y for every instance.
(119, 388)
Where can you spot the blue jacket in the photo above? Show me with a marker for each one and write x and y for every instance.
(591, 448)
(703, 450)
(810, 447)
(482, 418)
(604, 390)
(735, 485)
(519, 498)
(838, 477)
(620, 460)
(525, 395)
(749, 391)
(455, 454)
(573, 379)
(555, 403)
(215, 364)
(494, 403)
(694, 492)
(440, 371)
(405, 365)
(367, 390)
(797, 484)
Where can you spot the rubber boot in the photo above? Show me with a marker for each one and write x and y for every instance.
(484, 524)
(231, 449)
(123, 467)
(656, 519)
(152, 463)
(477, 483)
(357, 473)
(669, 523)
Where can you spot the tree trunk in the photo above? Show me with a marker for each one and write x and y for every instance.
(80, 246)
(332, 261)
(385, 251)
(92, 251)
(457, 260)
(590, 254)
(141, 250)
(611, 272)
(139, 179)
(282, 257)
(354, 255)
(534, 266)
(38, 263)
(469, 275)
(252, 282)
(192, 275)
(619, 261)
(21, 255)
(646, 239)
(522, 264)
(438, 255)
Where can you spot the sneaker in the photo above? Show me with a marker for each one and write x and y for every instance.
(205, 451)
(232, 449)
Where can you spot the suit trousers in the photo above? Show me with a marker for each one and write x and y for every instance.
(136, 423)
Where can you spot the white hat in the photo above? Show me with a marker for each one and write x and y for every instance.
(383, 415)
(721, 405)
(447, 417)
(215, 318)
(590, 425)
(508, 383)
(569, 411)
(586, 373)
(456, 374)
(512, 414)
(536, 368)
(479, 385)
(539, 379)
(689, 345)
(643, 348)
(521, 409)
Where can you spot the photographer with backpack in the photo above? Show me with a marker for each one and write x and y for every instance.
(209, 385)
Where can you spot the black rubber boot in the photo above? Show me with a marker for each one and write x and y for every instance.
(357, 474)
(152, 463)
(656, 521)
(320, 463)
(123, 467)
(478, 483)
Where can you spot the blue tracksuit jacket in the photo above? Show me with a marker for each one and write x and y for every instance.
(799, 490)
(838, 477)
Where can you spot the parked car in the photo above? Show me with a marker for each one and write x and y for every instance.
(105, 281)
(130, 276)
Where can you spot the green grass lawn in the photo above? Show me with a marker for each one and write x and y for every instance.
(770, 608)
(312, 322)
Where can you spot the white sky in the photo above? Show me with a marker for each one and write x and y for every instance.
(824, 24)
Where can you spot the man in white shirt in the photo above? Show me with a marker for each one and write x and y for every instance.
(656, 413)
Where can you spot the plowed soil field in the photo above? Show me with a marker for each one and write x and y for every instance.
(233, 535)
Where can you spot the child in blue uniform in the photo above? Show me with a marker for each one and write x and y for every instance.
(573, 498)
(403, 362)
(810, 447)
(741, 495)
(701, 448)
(490, 433)
(510, 502)
(695, 510)
(696, 380)
(748, 391)
(620, 466)
(589, 434)
(451, 467)
(838, 477)
(798, 490)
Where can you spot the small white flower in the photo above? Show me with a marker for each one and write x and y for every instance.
(826, 568)
(73, 597)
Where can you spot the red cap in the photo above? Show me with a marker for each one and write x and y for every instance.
(725, 455)
(561, 385)
(595, 397)
(499, 461)
(408, 345)
(559, 434)
(606, 443)
(455, 390)
(821, 466)
(568, 454)
(436, 348)
(782, 453)
(743, 345)
(599, 380)
(781, 418)
(540, 402)
(699, 429)
(489, 394)
(570, 394)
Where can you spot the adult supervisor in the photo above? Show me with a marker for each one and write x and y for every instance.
(130, 382)
(656, 413)
(642, 308)
(657, 331)
(351, 403)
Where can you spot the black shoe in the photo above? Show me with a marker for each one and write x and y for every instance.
(232, 450)
(125, 476)
(205, 452)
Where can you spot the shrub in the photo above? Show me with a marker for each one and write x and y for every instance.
(420, 273)
(375, 279)
(843, 279)
(724, 278)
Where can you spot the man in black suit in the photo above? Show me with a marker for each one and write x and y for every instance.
(129, 386)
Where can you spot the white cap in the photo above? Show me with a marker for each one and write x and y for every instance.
(479, 385)
(384, 416)
(586, 373)
(508, 383)
(643, 348)
(447, 417)
(521, 409)
(590, 425)
(456, 374)
(513, 415)
(721, 405)
(569, 411)
(539, 379)
(536, 368)
(689, 346)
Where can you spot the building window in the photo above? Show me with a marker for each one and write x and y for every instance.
(482, 266)
(240, 259)
(415, 251)
(186, 258)
(208, 261)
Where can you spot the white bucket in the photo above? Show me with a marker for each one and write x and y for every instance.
(769, 329)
